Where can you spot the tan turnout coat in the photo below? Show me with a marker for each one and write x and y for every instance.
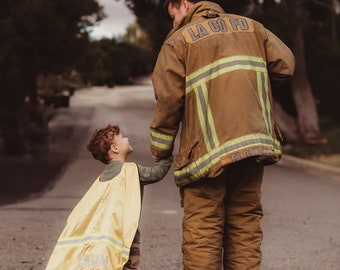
(212, 77)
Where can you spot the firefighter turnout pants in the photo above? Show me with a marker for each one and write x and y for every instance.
(221, 223)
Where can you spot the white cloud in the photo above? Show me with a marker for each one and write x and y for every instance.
(118, 18)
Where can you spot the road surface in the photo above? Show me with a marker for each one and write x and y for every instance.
(301, 205)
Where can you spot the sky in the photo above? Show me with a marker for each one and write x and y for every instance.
(118, 17)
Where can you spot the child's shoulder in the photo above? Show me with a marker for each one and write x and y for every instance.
(130, 165)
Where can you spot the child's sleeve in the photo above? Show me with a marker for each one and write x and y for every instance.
(150, 175)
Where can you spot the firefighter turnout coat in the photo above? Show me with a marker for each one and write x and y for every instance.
(213, 80)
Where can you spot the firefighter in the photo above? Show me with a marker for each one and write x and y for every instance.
(212, 80)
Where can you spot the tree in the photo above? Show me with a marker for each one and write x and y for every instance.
(323, 56)
(110, 62)
(37, 36)
(136, 35)
(153, 19)
(274, 15)
(290, 20)
(310, 23)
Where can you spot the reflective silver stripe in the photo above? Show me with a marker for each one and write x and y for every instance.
(93, 238)
(197, 82)
(262, 82)
(160, 140)
(200, 167)
(206, 119)
(222, 66)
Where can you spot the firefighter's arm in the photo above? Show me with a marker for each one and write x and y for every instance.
(280, 59)
(169, 85)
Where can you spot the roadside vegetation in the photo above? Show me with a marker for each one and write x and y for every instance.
(327, 152)
(46, 54)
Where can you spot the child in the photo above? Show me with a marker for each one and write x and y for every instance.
(102, 230)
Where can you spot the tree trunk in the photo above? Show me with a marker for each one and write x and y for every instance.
(287, 124)
(302, 93)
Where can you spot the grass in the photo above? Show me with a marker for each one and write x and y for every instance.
(328, 153)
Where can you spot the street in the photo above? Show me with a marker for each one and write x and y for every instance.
(301, 221)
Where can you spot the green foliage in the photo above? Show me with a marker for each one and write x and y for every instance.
(321, 41)
(331, 132)
(37, 36)
(323, 58)
(237, 7)
(324, 69)
(278, 18)
(25, 130)
(108, 62)
(153, 19)
(41, 36)
(321, 26)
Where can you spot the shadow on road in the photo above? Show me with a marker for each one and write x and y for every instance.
(25, 178)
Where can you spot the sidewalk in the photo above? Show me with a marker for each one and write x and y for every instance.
(316, 167)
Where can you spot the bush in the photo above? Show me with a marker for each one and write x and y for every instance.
(24, 130)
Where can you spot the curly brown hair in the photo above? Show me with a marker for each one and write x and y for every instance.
(100, 142)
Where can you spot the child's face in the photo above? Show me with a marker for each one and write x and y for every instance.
(123, 144)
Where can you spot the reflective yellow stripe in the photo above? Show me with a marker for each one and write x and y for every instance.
(249, 145)
(197, 82)
(75, 241)
(161, 140)
(262, 86)
(206, 118)
(200, 167)
(224, 65)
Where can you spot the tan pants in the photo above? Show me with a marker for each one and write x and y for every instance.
(221, 224)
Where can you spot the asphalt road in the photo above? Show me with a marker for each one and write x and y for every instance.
(302, 204)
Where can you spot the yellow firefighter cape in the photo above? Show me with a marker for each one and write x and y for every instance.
(100, 229)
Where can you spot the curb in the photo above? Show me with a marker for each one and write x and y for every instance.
(296, 162)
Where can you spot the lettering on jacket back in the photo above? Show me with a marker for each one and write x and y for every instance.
(217, 26)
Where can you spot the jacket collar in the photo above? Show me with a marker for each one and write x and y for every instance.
(200, 9)
(203, 8)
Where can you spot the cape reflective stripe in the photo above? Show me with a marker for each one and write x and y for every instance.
(161, 140)
(205, 118)
(94, 238)
(194, 170)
